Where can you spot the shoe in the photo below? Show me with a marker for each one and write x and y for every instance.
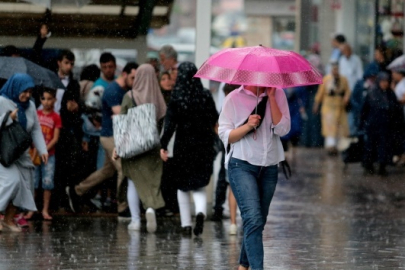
(186, 231)
(20, 221)
(124, 215)
(217, 217)
(134, 226)
(164, 212)
(233, 229)
(73, 198)
(199, 224)
(97, 203)
(368, 170)
(150, 220)
(382, 171)
(9, 228)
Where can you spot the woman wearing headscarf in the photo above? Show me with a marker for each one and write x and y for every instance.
(381, 119)
(16, 181)
(334, 95)
(192, 114)
(144, 171)
(68, 154)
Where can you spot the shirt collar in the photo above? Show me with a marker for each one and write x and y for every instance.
(247, 92)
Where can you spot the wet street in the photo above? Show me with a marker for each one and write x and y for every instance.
(325, 217)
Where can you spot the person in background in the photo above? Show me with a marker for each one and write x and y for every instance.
(336, 42)
(153, 59)
(253, 155)
(168, 58)
(168, 186)
(351, 67)
(111, 105)
(50, 125)
(360, 91)
(334, 95)
(16, 181)
(65, 61)
(223, 183)
(144, 171)
(192, 115)
(88, 76)
(166, 86)
(398, 76)
(69, 152)
(108, 66)
(379, 118)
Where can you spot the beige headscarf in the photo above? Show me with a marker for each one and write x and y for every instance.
(146, 89)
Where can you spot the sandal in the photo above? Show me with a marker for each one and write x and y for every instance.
(9, 228)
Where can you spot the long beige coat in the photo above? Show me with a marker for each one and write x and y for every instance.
(144, 170)
(333, 112)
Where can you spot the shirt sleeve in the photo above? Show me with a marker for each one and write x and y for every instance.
(112, 96)
(284, 126)
(37, 136)
(226, 121)
(58, 121)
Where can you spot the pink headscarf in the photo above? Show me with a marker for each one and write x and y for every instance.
(146, 89)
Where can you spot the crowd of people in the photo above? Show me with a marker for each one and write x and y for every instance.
(73, 163)
(367, 105)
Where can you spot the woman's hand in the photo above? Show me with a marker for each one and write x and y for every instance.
(254, 121)
(85, 146)
(44, 158)
(115, 156)
(164, 155)
(72, 106)
(271, 91)
(13, 115)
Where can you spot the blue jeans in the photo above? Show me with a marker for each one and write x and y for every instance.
(45, 173)
(253, 187)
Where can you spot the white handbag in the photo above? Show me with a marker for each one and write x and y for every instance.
(136, 132)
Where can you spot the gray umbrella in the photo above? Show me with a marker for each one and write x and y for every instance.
(41, 75)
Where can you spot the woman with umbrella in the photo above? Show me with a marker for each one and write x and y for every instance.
(255, 151)
(252, 120)
(17, 179)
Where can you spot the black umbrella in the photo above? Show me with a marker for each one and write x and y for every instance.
(41, 75)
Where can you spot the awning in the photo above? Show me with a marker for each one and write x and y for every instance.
(101, 18)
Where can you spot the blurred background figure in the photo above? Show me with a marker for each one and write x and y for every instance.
(333, 97)
(88, 76)
(380, 119)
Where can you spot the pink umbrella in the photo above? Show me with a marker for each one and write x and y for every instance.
(259, 66)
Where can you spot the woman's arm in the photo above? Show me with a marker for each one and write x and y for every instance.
(55, 139)
(280, 112)
(38, 137)
(170, 124)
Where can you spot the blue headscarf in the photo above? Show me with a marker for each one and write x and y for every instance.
(12, 89)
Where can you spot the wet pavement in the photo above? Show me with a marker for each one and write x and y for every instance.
(325, 217)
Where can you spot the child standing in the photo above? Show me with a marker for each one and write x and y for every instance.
(51, 124)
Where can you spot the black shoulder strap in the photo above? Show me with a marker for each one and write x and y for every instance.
(261, 110)
(133, 100)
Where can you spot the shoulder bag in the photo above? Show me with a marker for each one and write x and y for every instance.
(136, 132)
(14, 141)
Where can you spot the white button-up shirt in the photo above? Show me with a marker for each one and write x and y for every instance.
(351, 68)
(263, 148)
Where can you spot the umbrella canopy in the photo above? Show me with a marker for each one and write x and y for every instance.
(259, 66)
(51, 3)
(41, 76)
(398, 64)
